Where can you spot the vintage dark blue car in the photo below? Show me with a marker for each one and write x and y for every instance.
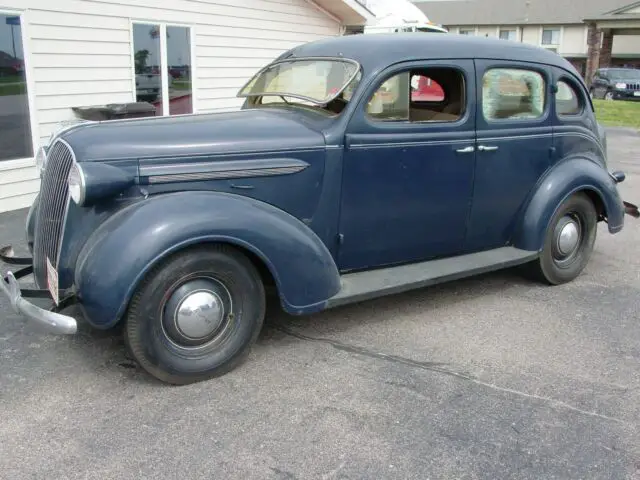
(338, 181)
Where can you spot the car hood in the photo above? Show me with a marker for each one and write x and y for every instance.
(193, 135)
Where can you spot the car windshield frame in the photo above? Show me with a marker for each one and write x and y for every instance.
(312, 100)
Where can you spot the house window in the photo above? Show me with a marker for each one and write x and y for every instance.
(467, 31)
(551, 36)
(506, 34)
(513, 94)
(420, 95)
(16, 140)
(163, 67)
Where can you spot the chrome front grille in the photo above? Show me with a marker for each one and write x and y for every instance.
(52, 208)
(633, 86)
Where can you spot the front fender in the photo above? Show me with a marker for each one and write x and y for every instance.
(564, 179)
(123, 249)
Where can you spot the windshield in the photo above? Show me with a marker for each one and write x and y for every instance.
(316, 81)
(624, 74)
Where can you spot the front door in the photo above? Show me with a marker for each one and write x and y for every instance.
(408, 166)
(515, 137)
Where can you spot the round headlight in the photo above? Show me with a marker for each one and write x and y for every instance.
(41, 159)
(77, 184)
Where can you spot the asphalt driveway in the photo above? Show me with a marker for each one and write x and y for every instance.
(491, 377)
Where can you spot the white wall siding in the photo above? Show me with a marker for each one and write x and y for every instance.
(626, 45)
(573, 40)
(80, 54)
(531, 34)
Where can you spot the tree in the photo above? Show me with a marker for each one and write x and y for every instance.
(141, 57)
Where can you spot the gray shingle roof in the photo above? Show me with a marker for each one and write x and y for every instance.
(512, 12)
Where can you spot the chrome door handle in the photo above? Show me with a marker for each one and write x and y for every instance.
(482, 148)
(466, 150)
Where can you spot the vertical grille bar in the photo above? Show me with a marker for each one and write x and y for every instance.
(53, 205)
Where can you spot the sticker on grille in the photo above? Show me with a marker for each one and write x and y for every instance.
(52, 210)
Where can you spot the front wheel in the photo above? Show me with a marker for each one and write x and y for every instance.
(609, 96)
(568, 242)
(196, 315)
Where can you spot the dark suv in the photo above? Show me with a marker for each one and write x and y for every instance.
(616, 84)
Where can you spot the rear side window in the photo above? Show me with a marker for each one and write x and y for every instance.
(567, 100)
(513, 94)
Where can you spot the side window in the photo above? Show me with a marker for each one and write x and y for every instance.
(567, 100)
(513, 94)
(434, 94)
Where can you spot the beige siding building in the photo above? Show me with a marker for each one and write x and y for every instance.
(184, 56)
(559, 25)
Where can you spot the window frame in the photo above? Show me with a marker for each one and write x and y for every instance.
(372, 121)
(535, 68)
(552, 29)
(577, 92)
(474, 31)
(164, 65)
(507, 29)
(34, 126)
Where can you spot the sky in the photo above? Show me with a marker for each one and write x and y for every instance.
(5, 38)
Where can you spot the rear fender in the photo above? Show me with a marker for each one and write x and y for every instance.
(563, 180)
(125, 247)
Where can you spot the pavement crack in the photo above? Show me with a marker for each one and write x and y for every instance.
(283, 473)
(434, 366)
(438, 368)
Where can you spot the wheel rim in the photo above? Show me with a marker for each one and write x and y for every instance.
(197, 311)
(608, 96)
(568, 239)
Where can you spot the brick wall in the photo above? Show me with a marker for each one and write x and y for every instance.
(605, 50)
(594, 36)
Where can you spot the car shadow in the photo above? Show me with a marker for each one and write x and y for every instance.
(283, 329)
(107, 348)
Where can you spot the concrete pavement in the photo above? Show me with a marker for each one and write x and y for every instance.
(491, 377)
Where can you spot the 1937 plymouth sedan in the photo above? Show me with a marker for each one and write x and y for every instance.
(334, 183)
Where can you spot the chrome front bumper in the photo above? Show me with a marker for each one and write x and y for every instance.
(50, 319)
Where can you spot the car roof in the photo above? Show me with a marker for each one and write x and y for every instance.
(607, 69)
(376, 51)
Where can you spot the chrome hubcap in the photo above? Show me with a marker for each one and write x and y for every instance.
(199, 314)
(568, 237)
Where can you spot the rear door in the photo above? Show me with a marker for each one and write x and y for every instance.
(514, 141)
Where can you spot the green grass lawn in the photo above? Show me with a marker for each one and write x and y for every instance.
(618, 113)
(13, 89)
(181, 85)
(11, 79)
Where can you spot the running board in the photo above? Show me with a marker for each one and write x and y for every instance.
(370, 284)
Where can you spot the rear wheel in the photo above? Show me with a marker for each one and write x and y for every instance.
(196, 315)
(568, 242)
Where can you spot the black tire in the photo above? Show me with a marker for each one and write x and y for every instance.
(152, 331)
(554, 267)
